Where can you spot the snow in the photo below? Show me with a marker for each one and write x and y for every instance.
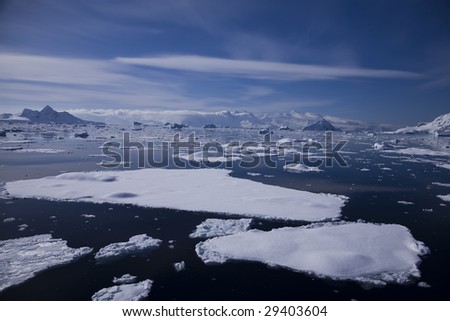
(208, 190)
(300, 168)
(213, 227)
(135, 245)
(124, 279)
(445, 197)
(124, 292)
(21, 259)
(179, 266)
(354, 251)
(440, 125)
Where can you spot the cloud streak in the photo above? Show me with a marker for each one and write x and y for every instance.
(263, 70)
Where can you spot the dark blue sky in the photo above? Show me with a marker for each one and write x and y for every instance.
(383, 61)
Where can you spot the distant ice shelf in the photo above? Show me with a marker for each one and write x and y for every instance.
(124, 292)
(208, 190)
(368, 253)
(21, 259)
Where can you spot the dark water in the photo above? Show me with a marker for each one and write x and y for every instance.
(373, 197)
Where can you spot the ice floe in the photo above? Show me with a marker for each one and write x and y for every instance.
(300, 168)
(124, 279)
(9, 220)
(444, 197)
(213, 227)
(209, 190)
(441, 184)
(124, 292)
(135, 245)
(41, 150)
(405, 202)
(23, 258)
(179, 266)
(355, 251)
(419, 152)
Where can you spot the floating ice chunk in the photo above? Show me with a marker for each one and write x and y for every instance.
(300, 168)
(9, 220)
(22, 227)
(23, 258)
(427, 210)
(88, 215)
(423, 285)
(124, 292)
(179, 266)
(419, 151)
(354, 251)
(386, 169)
(41, 150)
(213, 227)
(125, 279)
(208, 190)
(444, 197)
(446, 166)
(441, 184)
(253, 174)
(135, 245)
(405, 202)
(364, 170)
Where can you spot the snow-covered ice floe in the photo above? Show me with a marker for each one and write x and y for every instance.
(419, 152)
(300, 168)
(124, 292)
(213, 227)
(137, 244)
(363, 252)
(444, 197)
(179, 266)
(41, 150)
(23, 258)
(125, 279)
(208, 190)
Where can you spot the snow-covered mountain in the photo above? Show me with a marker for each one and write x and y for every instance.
(440, 127)
(321, 125)
(46, 115)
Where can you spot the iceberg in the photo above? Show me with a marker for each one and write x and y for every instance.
(300, 168)
(207, 190)
(179, 266)
(363, 252)
(124, 292)
(444, 197)
(124, 279)
(21, 259)
(216, 227)
(135, 245)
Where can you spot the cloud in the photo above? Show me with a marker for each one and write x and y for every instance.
(263, 70)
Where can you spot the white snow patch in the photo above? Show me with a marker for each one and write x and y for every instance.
(124, 279)
(355, 251)
(179, 266)
(23, 258)
(135, 245)
(213, 227)
(208, 190)
(124, 292)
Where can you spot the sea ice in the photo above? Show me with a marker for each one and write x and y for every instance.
(9, 220)
(124, 292)
(23, 258)
(135, 245)
(208, 190)
(354, 251)
(300, 168)
(213, 227)
(124, 279)
(444, 197)
(419, 151)
(405, 202)
(179, 266)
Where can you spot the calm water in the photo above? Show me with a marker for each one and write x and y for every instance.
(373, 197)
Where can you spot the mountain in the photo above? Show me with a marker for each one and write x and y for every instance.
(321, 125)
(46, 115)
(440, 127)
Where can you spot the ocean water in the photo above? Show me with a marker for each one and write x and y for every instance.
(373, 197)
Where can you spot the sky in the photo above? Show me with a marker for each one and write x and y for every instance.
(380, 61)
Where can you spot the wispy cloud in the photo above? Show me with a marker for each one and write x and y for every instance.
(265, 70)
